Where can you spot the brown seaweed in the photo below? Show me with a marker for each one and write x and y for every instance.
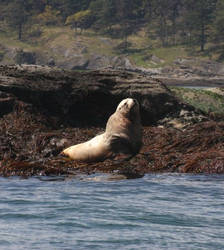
(28, 147)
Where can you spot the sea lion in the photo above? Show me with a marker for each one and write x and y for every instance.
(123, 135)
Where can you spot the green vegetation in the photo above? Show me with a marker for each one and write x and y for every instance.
(166, 56)
(165, 28)
(210, 101)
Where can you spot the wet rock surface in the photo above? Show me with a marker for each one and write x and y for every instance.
(44, 110)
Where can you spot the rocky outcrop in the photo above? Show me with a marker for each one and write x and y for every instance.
(80, 98)
(183, 72)
(96, 62)
(189, 72)
(22, 57)
(77, 56)
(44, 110)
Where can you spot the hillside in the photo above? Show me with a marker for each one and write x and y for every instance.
(73, 34)
(62, 47)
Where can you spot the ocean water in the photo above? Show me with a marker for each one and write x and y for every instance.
(155, 212)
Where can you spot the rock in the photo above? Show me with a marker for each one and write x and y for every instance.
(6, 103)
(51, 62)
(49, 109)
(116, 62)
(76, 62)
(2, 52)
(149, 71)
(189, 72)
(220, 69)
(26, 57)
(98, 62)
(156, 59)
(95, 61)
(184, 119)
(62, 94)
(120, 62)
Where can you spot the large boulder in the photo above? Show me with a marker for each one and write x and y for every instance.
(87, 98)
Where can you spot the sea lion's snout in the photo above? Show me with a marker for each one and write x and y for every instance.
(135, 102)
(130, 102)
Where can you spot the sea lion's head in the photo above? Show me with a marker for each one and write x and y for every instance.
(128, 107)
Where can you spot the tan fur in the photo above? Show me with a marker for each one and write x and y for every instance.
(123, 135)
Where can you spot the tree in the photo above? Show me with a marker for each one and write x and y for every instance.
(50, 16)
(109, 13)
(36, 7)
(16, 14)
(218, 24)
(81, 19)
(199, 15)
(175, 7)
(104, 12)
(127, 12)
(218, 27)
(162, 17)
(67, 7)
(162, 13)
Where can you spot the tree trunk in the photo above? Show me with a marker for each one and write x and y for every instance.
(163, 31)
(174, 29)
(20, 31)
(202, 36)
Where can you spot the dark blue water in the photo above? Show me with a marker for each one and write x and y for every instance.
(155, 212)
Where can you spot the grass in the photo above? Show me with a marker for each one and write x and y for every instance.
(205, 100)
(12, 41)
(65, 37)
(53, 38)
(166, 56)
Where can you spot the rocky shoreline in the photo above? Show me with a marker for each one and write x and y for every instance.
(44, 109)
(188, 71)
